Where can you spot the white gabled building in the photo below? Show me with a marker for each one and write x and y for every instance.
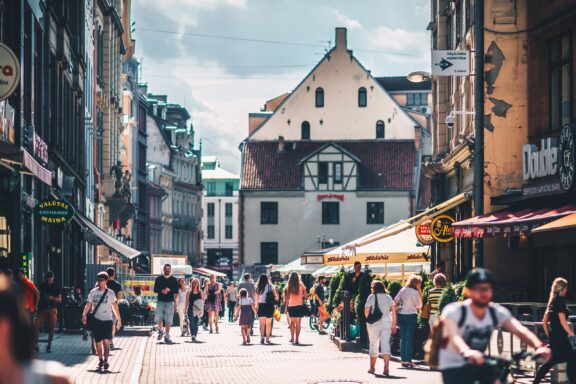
(331, 161)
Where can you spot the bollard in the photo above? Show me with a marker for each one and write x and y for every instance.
(559, 375)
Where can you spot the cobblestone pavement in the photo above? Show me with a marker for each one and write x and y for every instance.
(221, 358)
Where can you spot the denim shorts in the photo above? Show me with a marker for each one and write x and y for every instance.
(164, 312)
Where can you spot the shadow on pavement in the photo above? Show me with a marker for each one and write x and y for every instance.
(379, 376)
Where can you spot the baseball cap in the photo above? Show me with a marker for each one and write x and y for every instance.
(479, 276)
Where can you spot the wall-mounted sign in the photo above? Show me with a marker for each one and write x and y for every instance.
(9, 72)
(566, 161)
(450, 63)
(539, 163)
(54, 211)
(330, 196)
(423, 232)
(441, 229)
(40, 148)
(26, 264)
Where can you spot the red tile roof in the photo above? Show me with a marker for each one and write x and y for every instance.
(384, 165)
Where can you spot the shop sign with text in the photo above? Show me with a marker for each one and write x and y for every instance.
(9, 72)
(54, 211)
(441, 229)
(423, 232)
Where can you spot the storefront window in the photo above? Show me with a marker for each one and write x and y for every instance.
(560, 81)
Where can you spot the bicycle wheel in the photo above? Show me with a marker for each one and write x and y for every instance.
(313, 323)
(326, 324)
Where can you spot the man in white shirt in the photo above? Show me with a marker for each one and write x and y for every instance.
(103, 305)
(468, 327)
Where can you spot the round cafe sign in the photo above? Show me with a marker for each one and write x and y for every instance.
(423, 232)
(441, 229)
(9, 72)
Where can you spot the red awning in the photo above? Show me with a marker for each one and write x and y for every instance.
(506, 222)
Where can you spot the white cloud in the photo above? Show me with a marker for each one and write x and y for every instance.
(347, 22)
(400, 40)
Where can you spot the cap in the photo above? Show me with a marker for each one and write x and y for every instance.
(479, 276)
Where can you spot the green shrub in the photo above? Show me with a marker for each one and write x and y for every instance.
(448, 296)
(394, 287)
(363, 293)
(335, 281)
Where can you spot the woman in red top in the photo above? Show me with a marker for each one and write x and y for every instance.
(296, 292)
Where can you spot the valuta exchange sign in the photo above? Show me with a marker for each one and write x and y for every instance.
(9, 72)
(54, 211)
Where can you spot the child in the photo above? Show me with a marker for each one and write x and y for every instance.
(246, 310)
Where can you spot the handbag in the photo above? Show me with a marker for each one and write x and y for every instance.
(90, 316)
(376, 313)
(198, 307)
(425, 312)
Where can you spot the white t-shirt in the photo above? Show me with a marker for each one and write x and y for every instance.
(104, 312)
(245, 301)
(182, 295)
(475, 332)
(385, 303)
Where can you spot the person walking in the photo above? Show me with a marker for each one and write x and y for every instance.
(440, 268)
(265, 299)
(194, 306)
(213, 291)
(248, 285)
(319, 296)
(181, 305)
(103, 305)
(559, 332)
(29, 293)
(166, 286)
(205, 312)
(296, 296)
(409, 302)
(50, 296)
(116, 287)
(380, 330)
(434, 296)
(246, 310)
(231, 298)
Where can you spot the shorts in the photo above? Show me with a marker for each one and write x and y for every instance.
(102, 330)
(49, 315)
(297, 311)
(266, 310)
(322, 312)
(164, 313)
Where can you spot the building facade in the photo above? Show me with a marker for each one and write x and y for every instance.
(331, 161)
(220, 221)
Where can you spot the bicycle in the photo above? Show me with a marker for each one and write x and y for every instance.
(313, 321)
(508, 368)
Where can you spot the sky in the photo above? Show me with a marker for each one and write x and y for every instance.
(223, 59)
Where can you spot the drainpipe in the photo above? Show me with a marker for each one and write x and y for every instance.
(479, 122)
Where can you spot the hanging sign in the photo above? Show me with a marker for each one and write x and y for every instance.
(54, 211)
(450, 63)
(423, 232)
(441, 229)
(9, 72)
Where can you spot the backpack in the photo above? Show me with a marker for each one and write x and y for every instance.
(437, 341)
(270, 297)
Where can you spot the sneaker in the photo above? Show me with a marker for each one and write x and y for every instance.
(106, 365)
(101, 364)
(160, 334)
(193, 339)
(111, 346)
(183, 334)
(167, 339)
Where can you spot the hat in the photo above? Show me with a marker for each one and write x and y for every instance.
(479, 276)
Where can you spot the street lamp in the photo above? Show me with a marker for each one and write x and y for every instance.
(419, 76)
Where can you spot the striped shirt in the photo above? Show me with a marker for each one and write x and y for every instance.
(434, 296)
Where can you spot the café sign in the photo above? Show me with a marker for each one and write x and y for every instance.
(54, 211)
(539, 163)
(441, 229)
(9, 72)
(423, 232)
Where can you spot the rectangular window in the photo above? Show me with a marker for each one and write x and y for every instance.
(210, 231)
(330, 213)
(417, 99)
(375, 213)
(228, 232)
(337, 173)
(459, 23)
(229, 189)
(228, 208)
(210, 209)
(323, 173)
(268, 212)
(211, 188)
(560, 81)
(268, 253)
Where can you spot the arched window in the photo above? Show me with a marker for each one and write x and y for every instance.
(319, 97)
(305, 130)
(362, 97)
(379, 129)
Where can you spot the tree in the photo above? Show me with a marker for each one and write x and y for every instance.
(364, 290)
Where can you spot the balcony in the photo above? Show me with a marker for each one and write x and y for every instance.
(186, 222)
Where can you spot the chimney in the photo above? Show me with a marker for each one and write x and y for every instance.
(341, 41)
(281, 144)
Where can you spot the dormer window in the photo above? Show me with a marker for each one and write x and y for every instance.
(319, 97)
(379, 129)
(305, 130)
(362, 97)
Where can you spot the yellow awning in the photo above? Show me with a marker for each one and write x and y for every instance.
(566, 222)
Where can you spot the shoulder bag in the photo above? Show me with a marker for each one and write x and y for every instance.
(270, 297)
(90, 316)
(375, 314)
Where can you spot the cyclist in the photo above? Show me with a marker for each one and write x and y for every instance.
(319, 297)
(468, 327)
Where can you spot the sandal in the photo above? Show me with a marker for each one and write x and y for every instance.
(370, 371)
(386, 372)
(291, 340)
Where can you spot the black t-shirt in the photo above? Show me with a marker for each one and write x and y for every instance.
(558, 305)
(320, 292)
(114, 286)
(163, 282)
(45, 291)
